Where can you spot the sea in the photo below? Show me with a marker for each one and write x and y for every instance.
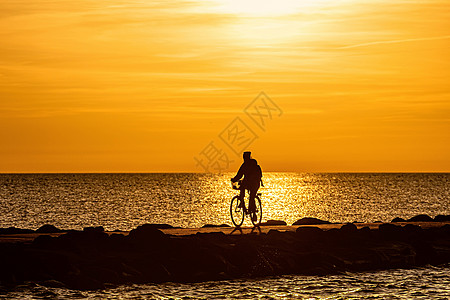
(191, 200)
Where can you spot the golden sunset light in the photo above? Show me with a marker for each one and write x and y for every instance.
(145, 86)
(265, 7)
(224, 149)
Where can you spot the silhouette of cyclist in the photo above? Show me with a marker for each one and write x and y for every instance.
(252, 178)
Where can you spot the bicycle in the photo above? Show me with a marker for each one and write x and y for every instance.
(238, 211)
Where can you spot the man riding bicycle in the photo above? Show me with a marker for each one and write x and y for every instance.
(252, 178)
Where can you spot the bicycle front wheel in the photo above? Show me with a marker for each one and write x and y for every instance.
(258, 212)
(237, 213)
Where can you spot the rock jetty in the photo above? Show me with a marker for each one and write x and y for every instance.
(94, 259)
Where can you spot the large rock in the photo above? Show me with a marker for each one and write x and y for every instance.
(412, 231)
(274, 223)
(310, 221)
(147, 235)
(412, 228)
(250, 259)
(420, 218)
(94, 237)
(47, 228)
(442, 218)
(347, 235)
(365, 233)
(309, 233)
(119, 242)
(397, 219)
(348, 228)
(446, 229)
(43, 240)
(158, 226)
(94, 230)
(390, 231)
(215, 226)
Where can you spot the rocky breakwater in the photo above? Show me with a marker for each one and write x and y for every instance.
(93, 259)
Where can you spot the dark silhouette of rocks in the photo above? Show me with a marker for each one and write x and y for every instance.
(94, 229)
(420, 218)
(48, 229)
(309, 233)
(390, 231)
(94, 259)
(273, 223)
(349, 228)
(158, 226)
(442, 218)
(145, 234)
(424, 218)
(215, 226)
(396, 220)
(310, 221)
(14, 230)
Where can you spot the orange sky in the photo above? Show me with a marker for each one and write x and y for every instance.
(144, 86)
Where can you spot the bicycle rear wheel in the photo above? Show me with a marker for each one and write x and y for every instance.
(237, 213)
(258, 212)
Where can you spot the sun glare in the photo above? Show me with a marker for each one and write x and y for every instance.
(266, 7)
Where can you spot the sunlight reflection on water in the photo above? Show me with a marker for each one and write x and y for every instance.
(124, 201)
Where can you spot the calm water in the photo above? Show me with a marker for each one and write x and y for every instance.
(423, 283)
(124, 201)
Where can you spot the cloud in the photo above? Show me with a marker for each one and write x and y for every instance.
(396, 41)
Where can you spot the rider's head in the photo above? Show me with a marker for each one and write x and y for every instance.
(246, 155)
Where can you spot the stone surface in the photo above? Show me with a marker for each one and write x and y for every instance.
(215, 226)
(420, 218)
(310, 221)
(48, 229)
(442, 218)
(274, 223)
(93, 259)
(14, 230)
(395, 220)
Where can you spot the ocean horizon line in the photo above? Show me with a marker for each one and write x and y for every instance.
(185, 172)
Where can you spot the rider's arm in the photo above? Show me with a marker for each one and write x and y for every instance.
(239, 174)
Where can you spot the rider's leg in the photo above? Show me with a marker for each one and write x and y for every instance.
(242, 193)
(251, 202)
(252, 206)
(253, 190)
(241, 196)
